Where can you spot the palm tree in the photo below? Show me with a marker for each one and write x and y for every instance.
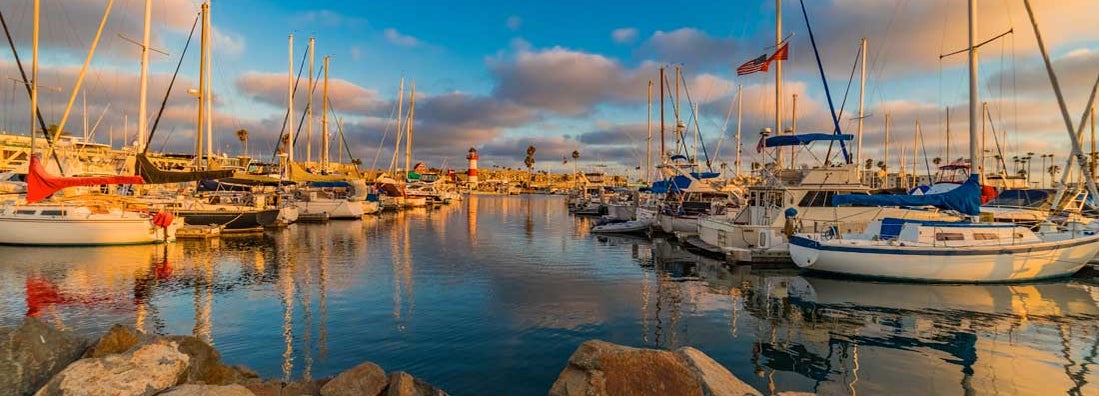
(242, 134)
(937, 161)
(869, 164)
(284, 143)
(881, 165)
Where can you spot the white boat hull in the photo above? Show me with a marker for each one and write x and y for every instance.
(976, 264)
(105, 229)
(336, 208)
(681, 224)
(371, 207)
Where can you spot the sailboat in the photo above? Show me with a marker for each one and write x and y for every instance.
(78, 221)
(936, 251)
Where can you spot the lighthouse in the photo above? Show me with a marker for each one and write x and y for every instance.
(472, 157)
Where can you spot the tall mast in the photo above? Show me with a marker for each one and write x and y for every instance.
(739, 106)
(309, 109)
(887, 121)
(34, 72)
(793, 129)
(649, 141)
(663, 150)
(974, 167)
(984, 135)
(290, 102)
(142, 124)
(862, 98)
(324, 118)
(948, 160)
(678, 111)
(201, 127)
(1092, 141)
(408, 122)
(916, 155)
(400, 130)
(778, 80)
(209, 96)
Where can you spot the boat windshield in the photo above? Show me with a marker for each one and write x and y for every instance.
(1033, 199)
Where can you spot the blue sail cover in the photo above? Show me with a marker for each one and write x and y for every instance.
(966, 199)
(803, 139)
(677, 183)
(705, 175)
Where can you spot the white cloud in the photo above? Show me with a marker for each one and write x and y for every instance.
(624, 35)
(395, 37)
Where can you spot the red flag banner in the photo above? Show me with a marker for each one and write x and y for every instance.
(782, 53)
(41, 184)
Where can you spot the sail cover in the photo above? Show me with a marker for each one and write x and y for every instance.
(803, 139)
(965, 199)
(41, 184)
(153, 175)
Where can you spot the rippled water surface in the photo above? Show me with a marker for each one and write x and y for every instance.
(491, 296)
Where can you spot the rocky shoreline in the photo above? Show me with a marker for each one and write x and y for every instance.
(38, 359)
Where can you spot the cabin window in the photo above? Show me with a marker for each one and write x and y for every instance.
(949, 236)
(25, 212)
(53, 212)
(817, 199)
(985, 236)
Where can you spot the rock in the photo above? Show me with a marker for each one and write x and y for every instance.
(32, 353)
(716, 379)
(265, 388)
(404, 384)
(366, 379)
(118, 339)
(602, 368)
(302, 388)
(208, 390)
(206, 366)
(145, 370)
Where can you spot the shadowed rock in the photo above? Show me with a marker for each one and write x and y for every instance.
(118, 339)
(32, 353)
(403, 384)
(145, 370)
(366, 379)
(208, 390)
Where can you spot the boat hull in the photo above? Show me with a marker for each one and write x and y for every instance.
(231, 220)
(81, 232)
(337, 209)
(928, 264)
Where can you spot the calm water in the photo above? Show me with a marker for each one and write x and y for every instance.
(492, 295)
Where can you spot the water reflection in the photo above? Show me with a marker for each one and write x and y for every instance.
(498, 291)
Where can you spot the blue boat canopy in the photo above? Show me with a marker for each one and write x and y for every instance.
(704, 175)
(678, 157)
(677, 183)
(333, 184)
(966, 199)
(803, 139)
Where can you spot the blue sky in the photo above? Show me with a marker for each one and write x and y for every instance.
(566, 75)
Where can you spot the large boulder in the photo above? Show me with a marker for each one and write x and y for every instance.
(404, 384)
(716, 380)
(145, 370)
(208, 390)
(366, 379)
(602, 368)
(32, 353)
(118, 339)
(206, 366)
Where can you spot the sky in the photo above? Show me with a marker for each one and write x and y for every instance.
(563, 75)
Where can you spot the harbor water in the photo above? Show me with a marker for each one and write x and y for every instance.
(492, 295)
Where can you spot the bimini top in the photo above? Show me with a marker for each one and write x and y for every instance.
(803, 139)
(966, 199)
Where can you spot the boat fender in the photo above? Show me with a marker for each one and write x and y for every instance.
(788, 228)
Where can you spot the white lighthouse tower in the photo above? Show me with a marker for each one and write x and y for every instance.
(472, 157)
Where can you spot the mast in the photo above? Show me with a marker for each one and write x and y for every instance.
(984, 135)
(324, 117)
(309, 108)
(916, 155)
(888, 119)
(200, 128)
(793, 130)
(142, 123)
(862, 99)
(207, 27)
(411, 119)
(1093, 155)
(400, 132)
(973, 94)
(290, 102)
(648, 142)
(678, 111)
(663, 150)
(778, 80)
(34, 72)
(739, 106)
(948, 160)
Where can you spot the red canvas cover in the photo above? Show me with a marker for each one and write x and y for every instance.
(41, 184)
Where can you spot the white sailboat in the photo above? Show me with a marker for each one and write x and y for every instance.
(951, 251)
(92, 221)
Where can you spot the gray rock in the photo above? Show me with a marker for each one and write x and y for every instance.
(32, 353)
(205, 362)
(366, 379)
(716, 380)
(208, 390)
(145, 370)
(404, 384)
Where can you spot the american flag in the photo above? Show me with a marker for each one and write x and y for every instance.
(755, 65)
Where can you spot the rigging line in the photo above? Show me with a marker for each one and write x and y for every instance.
(824, 79)
(286, 116)
(27, 85)
(163, 103)
(304, 113)
(339, 128)
(724, 126)
(999, 149)
(385, 133)
(698, 132)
